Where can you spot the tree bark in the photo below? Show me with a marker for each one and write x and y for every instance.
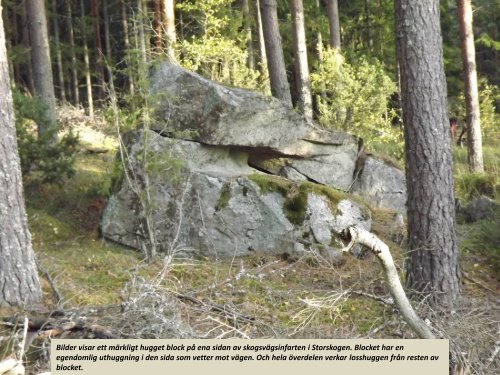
(99, 53)
(42, 67)
(86, 59)
(19, 284)
(247, 23)
(474, 138)
(302, 83)
(260, 41)
(28, 65)
(107, 45)
(170, 34)
(433, 268)
(274, 52)
(60, 68)
(332, 10)
(126, 42)
(74, 71)
(157, 26)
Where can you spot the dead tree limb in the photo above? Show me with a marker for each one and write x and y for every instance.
(356, 234)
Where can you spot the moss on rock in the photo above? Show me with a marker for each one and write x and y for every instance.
(225, 195)
(296, 195)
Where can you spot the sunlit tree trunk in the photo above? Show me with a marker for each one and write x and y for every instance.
(433, 267)
(247, 21)
(19, 284)
(170, 33)
(274, 52)
(474, 138)
(42, 67)
(142, 17)
(302, 83)
(126, 42)
(261, 43)
(86, 59)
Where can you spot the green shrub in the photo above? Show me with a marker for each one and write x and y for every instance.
(355, 97)
(52, 161)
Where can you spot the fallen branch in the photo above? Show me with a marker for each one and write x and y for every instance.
(356, 234)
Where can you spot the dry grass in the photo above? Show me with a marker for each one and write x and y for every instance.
(254, 297)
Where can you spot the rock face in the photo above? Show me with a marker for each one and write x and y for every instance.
(480, 208)
(224, 172)
(382, 185)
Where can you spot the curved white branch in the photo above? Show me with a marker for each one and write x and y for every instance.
(381, 250)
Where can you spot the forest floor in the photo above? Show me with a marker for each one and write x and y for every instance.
(94, 288)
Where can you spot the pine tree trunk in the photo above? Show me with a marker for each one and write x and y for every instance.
(126, 42)
(369, 36)
(57, 44)
(74, 71)
(274, 52)
(99, 64)
(170, 34)
(474, 137)
(19, 284)
(332, 10)
(42, 67)
(433, 268)
(27, 67)
(302, 83)
(261, 43)
(157, 26)
(86, 60)
(247, 21)
(142, 12)
(107, 45)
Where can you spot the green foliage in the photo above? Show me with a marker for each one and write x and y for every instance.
(216, 46)
(472, 185)
(490, 118)
(53, 161)
(354, 97)
(483, 237)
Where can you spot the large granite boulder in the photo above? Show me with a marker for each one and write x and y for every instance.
(225, 171)
(208, 202)
(194, 108)
(381, 184)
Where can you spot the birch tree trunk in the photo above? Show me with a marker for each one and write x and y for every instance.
(474, 138)
(19, 284)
